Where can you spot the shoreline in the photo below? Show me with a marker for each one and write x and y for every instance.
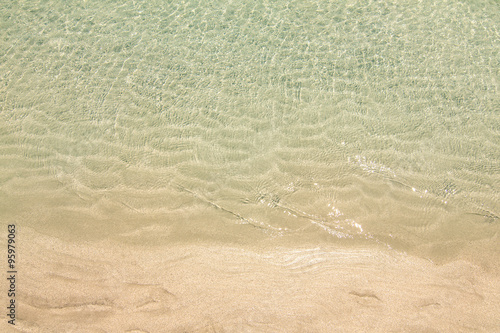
(108, 286)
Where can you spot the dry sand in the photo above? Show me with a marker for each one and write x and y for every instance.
(106, 286)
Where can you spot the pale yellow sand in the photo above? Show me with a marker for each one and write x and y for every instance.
(109, 287)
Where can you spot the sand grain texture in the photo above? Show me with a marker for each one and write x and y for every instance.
(107, 287)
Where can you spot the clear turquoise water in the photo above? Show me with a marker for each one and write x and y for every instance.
(253, 121)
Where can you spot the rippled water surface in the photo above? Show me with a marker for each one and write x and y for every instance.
(364, 122)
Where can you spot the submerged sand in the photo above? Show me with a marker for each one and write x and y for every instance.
(251, 166)
(107, 286)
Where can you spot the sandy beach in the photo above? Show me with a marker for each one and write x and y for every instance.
(250, 166)
(106, 286)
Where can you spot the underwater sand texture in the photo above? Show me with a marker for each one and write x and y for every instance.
(252, 165)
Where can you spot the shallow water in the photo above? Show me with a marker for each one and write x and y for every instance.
(370, 121)
(354, 123)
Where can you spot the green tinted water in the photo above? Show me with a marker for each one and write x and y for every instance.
(349, 121)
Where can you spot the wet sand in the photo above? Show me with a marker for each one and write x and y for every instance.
(107, 286)
(252, 166)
